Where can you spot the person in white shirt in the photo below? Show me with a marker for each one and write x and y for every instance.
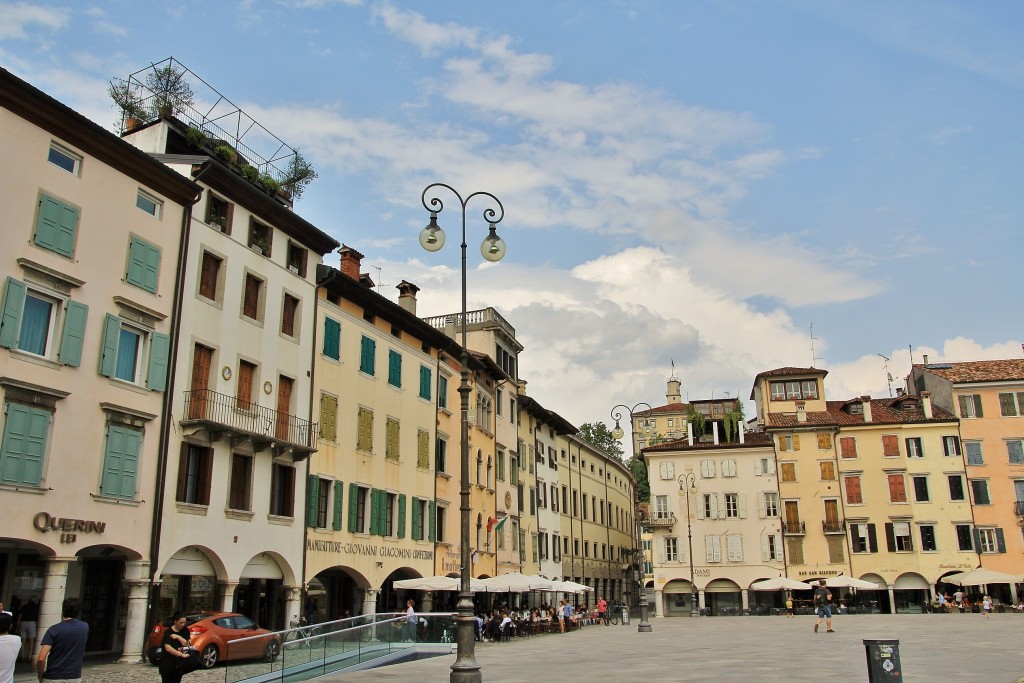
(10, 646)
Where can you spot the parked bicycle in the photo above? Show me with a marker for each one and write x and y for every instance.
(303, 634)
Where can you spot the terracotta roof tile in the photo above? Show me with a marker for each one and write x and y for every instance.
(750, 440)
(883, 411)
(978, 371)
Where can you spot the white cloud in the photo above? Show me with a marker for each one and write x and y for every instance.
(110, 28)
(19, 17)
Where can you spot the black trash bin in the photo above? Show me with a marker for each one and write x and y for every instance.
(883, 660)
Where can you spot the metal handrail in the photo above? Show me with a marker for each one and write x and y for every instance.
(252, 418)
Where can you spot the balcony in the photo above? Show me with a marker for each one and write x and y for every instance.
(1018, 508)
(223, 415)
(663, 520)
(835, 526)
(794, 528)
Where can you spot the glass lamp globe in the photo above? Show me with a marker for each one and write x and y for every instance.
(432, 236)
(493, 247)
(617, 433)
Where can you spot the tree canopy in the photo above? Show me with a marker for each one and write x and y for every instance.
(598, 434)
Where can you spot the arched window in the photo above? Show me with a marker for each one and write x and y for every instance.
(479, 467)
(479, 530)
(490, 467)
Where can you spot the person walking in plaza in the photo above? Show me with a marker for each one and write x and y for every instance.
(822, 598)
(958, 599)
(602, 610)
(789, 607)
(561, 616)
(176, 636)
(409, 626)
(63, 647)
(27, 626)
(10, 646)
(986, 606)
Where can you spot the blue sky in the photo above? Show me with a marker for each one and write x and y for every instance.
(691, 181)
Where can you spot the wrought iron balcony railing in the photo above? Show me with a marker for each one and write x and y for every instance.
(265, 426)
(794, 528)
(837, 526)
(664, 520)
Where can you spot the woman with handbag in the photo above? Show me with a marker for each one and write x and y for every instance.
(175, 638)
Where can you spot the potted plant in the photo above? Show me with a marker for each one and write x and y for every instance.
(170, 90)
(298, 175)
(130, 104)
(226, 153)
(261, 245)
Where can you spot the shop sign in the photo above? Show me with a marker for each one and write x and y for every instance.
(822, 572)
(451, 561)
(69, 528)
(368, 550)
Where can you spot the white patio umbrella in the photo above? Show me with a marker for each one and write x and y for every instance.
(570, 587)
(780, 583)
(514, 582)
(843, 581)
(980, 577)
(441, 583)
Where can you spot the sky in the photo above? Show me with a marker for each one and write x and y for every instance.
(717, 188)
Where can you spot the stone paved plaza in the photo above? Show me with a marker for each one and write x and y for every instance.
(933, 649)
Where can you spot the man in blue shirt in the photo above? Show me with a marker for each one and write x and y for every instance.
(63, 646)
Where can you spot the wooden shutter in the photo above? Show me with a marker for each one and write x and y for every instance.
(890, 445)
(758, 467)
(1000, 540)
(872, 539)
(367, 355)
(423, 449)
(890, 537)
(364, 440)
(108, 354)
(143, 265)
(416, 536)
(761, 504)
(56, 226)
(328, 417)
(847, 447)
(75, 316)
(312, 499)
(13, 306)
(182, 473)
(432, 527)
(289, 306)
(853, 490)
(243, 393)
(828, 470)
(425, 382)
(339, 489)
(796, 442)
(824, 440)
(159, 355)
(121, 461)
(332, 338)
(897, 489)
(766, 554)
(24, 444)
(401, 515)
(250, 303)
(395, 368)
(353, 510)
(741, 502)
(208, 276)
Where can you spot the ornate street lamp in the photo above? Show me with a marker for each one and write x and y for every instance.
(465, 669)
(688, 485)
(617, 433)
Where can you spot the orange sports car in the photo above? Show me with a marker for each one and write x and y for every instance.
(210, 633)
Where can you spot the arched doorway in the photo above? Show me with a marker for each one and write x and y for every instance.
(722, 598)
(188, 581)
(391, 599)
(677, 594)
(103, 596)
(911, 593)
(871, 601)
(336, 593)
(260, 593)
(763, 602)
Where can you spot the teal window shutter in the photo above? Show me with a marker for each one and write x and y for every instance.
(143, 265)
(159, 351)
(332, 338)
(367, 355)
(394, 368)
(75, 315)
(10, 318)
(339, 488)
(425, 382)
(121, 462)
(401, 516)
(432, 529)
(108, 353)
(353, 510)
(312, 498)
(24, 444)
(56, 226)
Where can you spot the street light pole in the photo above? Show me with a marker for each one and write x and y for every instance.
(688, 483)
(617, 433)
(465, 669)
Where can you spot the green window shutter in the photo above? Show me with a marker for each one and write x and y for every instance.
(143, 265)
(367, 355)
(24, 444)
(71, 340)
(312, 498)
(121, 462)
(416, 518)
(108, 353)
(401, 516)
(394, 368)
(159, 351)
(339, 488)
(56, 226)
(329, 417)
(425, 382)
(432, 527)
(353, 511)
(13, 306)
(374, 511)
(332, 338)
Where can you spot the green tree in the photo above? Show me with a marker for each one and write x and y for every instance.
(643, 486)
(598, 434)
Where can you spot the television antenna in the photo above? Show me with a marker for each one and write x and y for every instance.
(888, 374)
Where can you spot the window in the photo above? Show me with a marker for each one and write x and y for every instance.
(921, 488)
(671, 549)
(956, 486)
(392, 439)
(441, 454)
(788, 471)
(218, 213)
(143, 265)
(149, 204)
(709, 506)
(764, 467)
(394, 368)
(793, 390)
(367, 356)
(33, 321)
(260, 237)
(770, 507)
(979, 491)
(332, 338)
(124, 354)
(62, 157)
(422, 449)
(661, 510)
(891, 445)
(244, 386)
(296, 259)
(25, 436)
(964, 539)
(789, 443)
(898, 538)
(713, 548)
(1011, 404)
(914, 448)
(328, 417)
(771, 547)
(848, 447)
(252, 297)
(729, 468)
(927, 532)
(498, 398)
(442, 392)
(734, 546)
(241, 482)
(390, 508)
(828, 470)
(974, 454)
(863, 538)
(514, 472)
(195, 468)
(441, 513)
(1015, 451)
(991, 541)
(897, 489)
(420, 519)
(282, 490)
(970, 406)
(209, 276)
(950, 446)
(289, 314)
(732, 506)
(357, 502)
(506, 361)
(854, 494)
(425, 382)
(56, 226)
(707, 469)
(824, 440)
(501, 465)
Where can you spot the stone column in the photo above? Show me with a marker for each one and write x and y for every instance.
(292, 605)
(892, 599)
(700, 600)
(745, 600)
(135, 631)
(659, 604)
(370, 600)
(227, 595)
(427, 604)
(52, 600)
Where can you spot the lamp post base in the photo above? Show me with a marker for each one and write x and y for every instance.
(645, 625)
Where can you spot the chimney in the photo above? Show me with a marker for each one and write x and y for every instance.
(926, 360)
(522, 387)
(742, 429)
(350, 261)
(689, 433)
(926, 403)
(673, 393)
(801, 411)
(866, 402)
(407, 296)
(714, 432)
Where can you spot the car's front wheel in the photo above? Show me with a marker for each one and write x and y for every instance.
(209, 656)
(272, 651)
